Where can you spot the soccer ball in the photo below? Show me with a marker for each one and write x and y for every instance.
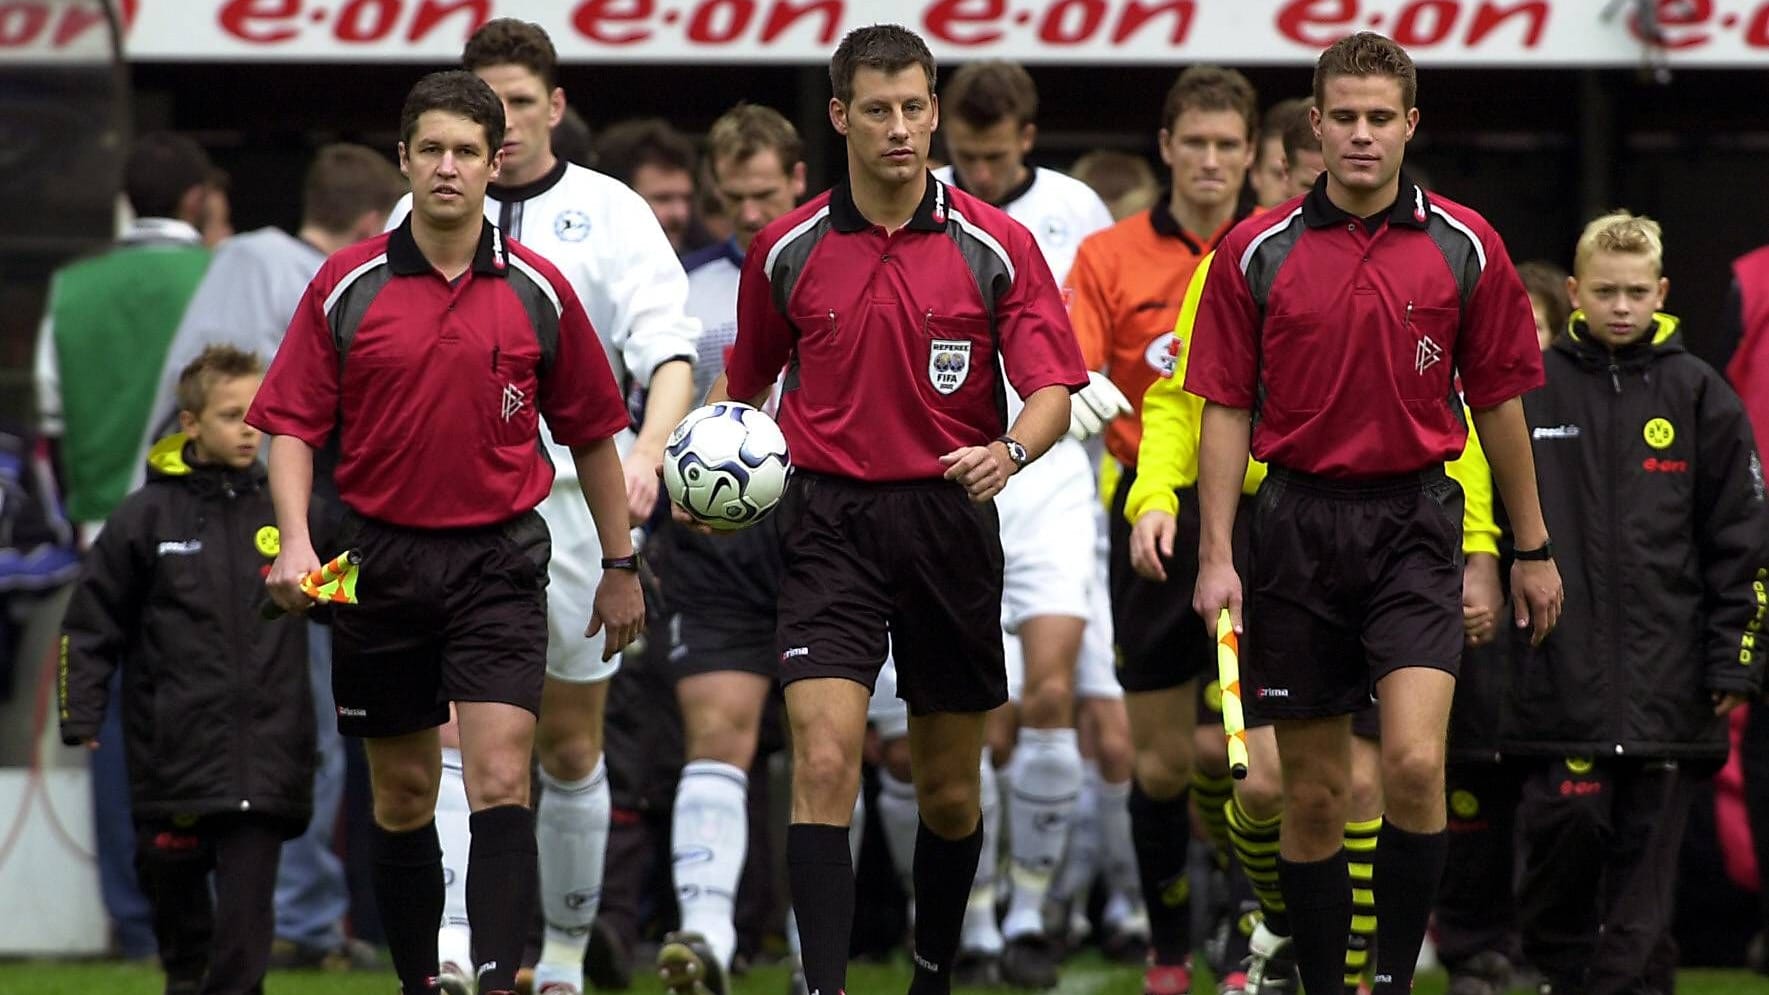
(726, 465)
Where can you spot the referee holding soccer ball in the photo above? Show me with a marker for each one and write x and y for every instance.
(893, 301)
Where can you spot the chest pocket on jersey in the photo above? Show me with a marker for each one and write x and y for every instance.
(1423, 352)
(1289, 356)
(512, 381)
(824, 342)
(960, 357)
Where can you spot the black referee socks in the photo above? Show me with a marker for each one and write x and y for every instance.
(408, 893)
(1318, 896)
(1408, 869)
(943, 873)
(503, 884)
(820, 874)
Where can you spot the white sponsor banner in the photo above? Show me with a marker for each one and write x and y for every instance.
(1232, 32)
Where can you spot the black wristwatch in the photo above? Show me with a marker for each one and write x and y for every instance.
(627, 562)
(1015, 452)
(1543, 552)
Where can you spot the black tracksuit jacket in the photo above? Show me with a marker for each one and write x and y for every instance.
(217, 704)
(1653, 493)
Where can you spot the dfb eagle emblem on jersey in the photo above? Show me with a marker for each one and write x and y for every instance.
(572, 226)
(948, 363)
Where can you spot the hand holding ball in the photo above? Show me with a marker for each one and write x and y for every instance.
(726, 465)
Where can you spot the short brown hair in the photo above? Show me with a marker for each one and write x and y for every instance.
(213, 365)
(1299, 137)
(1546, 283)
(1211, 88)
(1124, 181)
(888, 48)
(1367, 54)
(455, 91)
(1278, 117)
(747, 129)
(983, 94)
(507, 41)
(344, 182)
(649, 141)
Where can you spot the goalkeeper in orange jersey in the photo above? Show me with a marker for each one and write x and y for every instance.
(217, 708)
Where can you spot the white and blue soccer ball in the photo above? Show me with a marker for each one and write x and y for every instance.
(726, 464)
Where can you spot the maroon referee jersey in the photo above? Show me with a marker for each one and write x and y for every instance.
(1345, 336)
(435, 386)
(893, 343)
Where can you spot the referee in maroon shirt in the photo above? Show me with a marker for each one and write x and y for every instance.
(430, 351)
(893, 302)
(1343, 319)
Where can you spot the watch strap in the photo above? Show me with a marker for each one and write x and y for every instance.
(1543, 552)
(1016, 450)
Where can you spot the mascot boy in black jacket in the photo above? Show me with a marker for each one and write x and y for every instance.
(1653, 494)
(217, 708)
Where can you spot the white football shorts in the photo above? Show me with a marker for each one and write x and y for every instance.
(1048, 534)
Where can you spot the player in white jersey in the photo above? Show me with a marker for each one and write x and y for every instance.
(722, 652)
(603, 237)
(1050, 518)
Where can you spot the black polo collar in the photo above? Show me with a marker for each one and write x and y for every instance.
(1167, 226)
(1019, 190)
(1410, 209)
(930, 214)
(533, 188)
(492, 258)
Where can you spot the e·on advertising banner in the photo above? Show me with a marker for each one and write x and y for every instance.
(1548, 33)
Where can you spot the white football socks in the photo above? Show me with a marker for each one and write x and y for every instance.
(571, 833)
(898, 816)
(857, 828)
(981, 933)
(709, 838)
(1117, 852)
(1046, 776)
(454, 938)
(1081, 858)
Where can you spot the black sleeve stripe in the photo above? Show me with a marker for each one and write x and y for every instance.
(543, 310)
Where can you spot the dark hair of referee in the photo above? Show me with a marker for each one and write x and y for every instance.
(458, 92)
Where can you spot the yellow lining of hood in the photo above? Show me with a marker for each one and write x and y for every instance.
(167, 455)
(1665, 325)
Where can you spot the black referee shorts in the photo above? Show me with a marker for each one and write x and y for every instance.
(442, 615)
(1161, 641)
(915, 567)
(1366, 723)
(1349, 581)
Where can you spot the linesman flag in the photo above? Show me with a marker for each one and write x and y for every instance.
(1228, 676)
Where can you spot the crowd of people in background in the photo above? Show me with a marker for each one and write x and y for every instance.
(1106, 813)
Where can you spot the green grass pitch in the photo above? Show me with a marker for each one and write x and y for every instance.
(1086, 975)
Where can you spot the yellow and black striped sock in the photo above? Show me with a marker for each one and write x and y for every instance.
(1256, 847)
(1212, 795)
(1360, 848)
